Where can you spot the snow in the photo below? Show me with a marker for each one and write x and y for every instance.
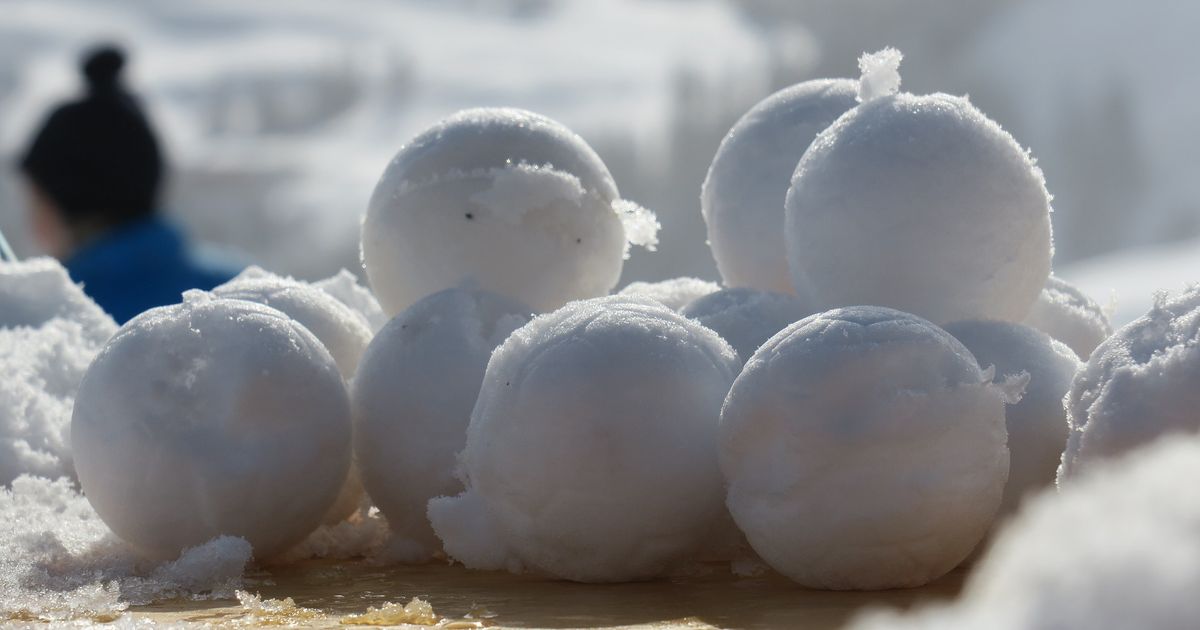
(675, 293)
(1037, 425)
(1116, 549)
(880, 74)
(1138, 384)
(923, 204)
(1066, 313)
(412, 402)
(35, 291)
(1126, 282)
(344, 286)
(212, 417)
(499, 199)
(591, 452)
(870, 432)
(746, 318)
(742, 195)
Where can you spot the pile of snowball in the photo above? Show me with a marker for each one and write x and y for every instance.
(888, 373)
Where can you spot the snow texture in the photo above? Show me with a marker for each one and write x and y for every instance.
(1037, 425)
(591, 452)
(1138, 384)
(747, 318)
(743, 194)
(212, 417)
(923, 204)
(880, 74)
(49, 333)
(503, 200)
(412, 403)
(58, 562)
(1066, 313)
(345, 288)
(1115, 550)
(675, 293)
(864, 449)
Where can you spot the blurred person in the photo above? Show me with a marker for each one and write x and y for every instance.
(93, 173)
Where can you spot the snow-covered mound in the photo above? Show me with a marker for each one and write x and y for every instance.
(747, 318)
(675, 293)
(864, 449)
(591, 453)
(35, 291)
(897, 204)
(1069, 315)
(412, 402)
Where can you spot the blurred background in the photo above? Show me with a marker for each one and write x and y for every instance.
(279, 115)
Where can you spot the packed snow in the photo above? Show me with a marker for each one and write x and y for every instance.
(344, 286)
(675, 293)
(499, 199)
(742, 196)
(1069, 315)
(864, 448)
(412, 402)
(1037, 425)
(591, 454)
(1138, 384)
(919, 203)
(212, 417)
(747, 318)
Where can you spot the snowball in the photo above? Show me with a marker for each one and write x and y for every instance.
(212, 417)
(1138, 384)
(880, 74)
(1116, 550)
(1067, 314)
(58, 562)
(675, 293)
(498, 199)
(1037, 425)
(591, 453)
(863, 449)
(35, 291)
(344, 287)
(412, 402)
(742, 196)
(923, 204)
(747, 318)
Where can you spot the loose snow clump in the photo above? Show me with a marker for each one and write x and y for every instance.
(591, 453)
(1037, 425)
(747, 318)
(1067, 314)
(503, 200)
(1115, 550)
(880, 74)
(742, 197)
(1138, 384)
(412, 402)
(919, 203)
(675, 293)
(49, 333)
(212, 417)
(864, 449)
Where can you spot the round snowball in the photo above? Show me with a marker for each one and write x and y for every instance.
(1066, 313)
(1037, 425)
(591, 453)
(675, 293)
(212, 417)
(747, 318)
(863, 449)
(412, 402)
(742, 196)
(923, 204)
(499, 199)
(1138, 384)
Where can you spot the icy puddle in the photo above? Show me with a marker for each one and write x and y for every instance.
(351, 594)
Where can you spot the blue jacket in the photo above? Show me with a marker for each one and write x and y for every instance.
(141, 265)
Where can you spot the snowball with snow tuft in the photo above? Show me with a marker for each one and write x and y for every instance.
(747, 318)
(591, 453)
(864, 449)
(1066, 313)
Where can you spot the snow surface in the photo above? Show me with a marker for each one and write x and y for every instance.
(864, 449)
(212, 417)
(1066, 313)
(591, 452)
(1115, 550)
(1137, 385)
(412, 403)
(675, 293)
(742, 195)
(499, 199)
(923, 204)
(746, 318)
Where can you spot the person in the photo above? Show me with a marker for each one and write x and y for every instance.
(93, 173)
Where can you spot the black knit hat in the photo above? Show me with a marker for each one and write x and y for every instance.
(97, 158)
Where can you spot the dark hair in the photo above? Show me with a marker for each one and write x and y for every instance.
(97, 158)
